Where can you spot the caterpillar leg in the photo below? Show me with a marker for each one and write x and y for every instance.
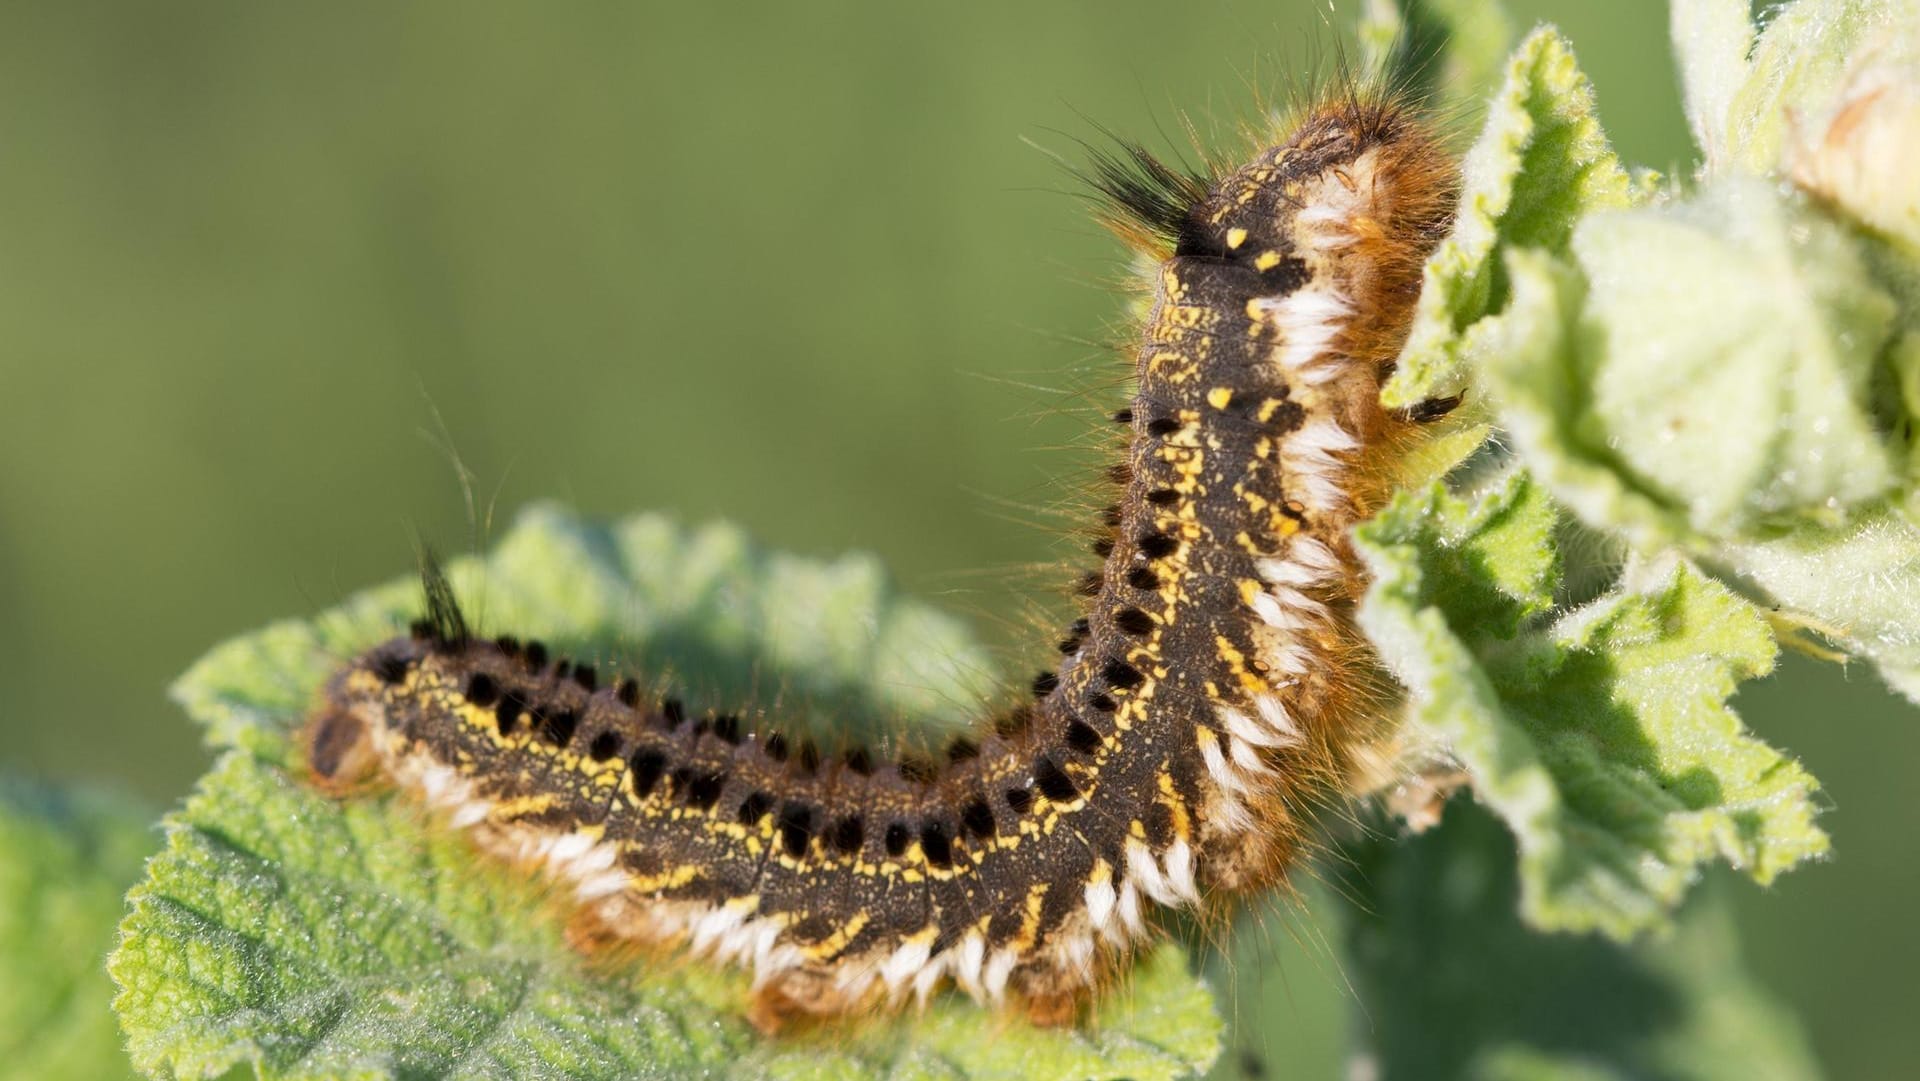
(799, 995)
(1056, 1009)
(1432, 409)
(590, 932)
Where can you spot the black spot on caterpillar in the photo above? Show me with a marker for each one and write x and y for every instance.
(1213, 692)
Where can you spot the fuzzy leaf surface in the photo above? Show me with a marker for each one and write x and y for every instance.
(1730, 343)
(1715, 375)
(1540, 162)
(1799, 67)
(1858, 585)
(1601, 736)
(1711, 40)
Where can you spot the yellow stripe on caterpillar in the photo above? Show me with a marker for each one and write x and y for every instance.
(1211, 689)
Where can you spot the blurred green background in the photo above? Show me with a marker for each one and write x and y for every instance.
(261, 266)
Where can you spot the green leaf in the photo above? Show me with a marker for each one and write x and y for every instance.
(1857, 585)
(1852, 134)
(1712, 374)
(1831, 98)
(1540, 162)
(1720, 366)
(315, 938)
(1799, 67)
(66, 859)
(1722, 373)
(1455, 986)
(1711, 39)
(1602, 736)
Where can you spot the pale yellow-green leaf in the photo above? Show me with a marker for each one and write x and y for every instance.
(1857, 585)
(1800, 65)
(1732, 375)
(1730, 343)
(1540, 162)
(1711, 40)
(1706, 370)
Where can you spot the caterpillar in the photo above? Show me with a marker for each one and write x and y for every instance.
(1212, 694)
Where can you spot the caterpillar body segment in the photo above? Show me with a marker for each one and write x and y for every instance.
(1214, 693)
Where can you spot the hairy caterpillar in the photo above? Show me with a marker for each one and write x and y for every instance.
(1213, 693)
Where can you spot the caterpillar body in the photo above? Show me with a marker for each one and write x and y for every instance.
(1214, 692)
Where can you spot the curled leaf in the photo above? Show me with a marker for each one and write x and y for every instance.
(1711, 39)
(1724, 350)
(1799, 66)
(1601, 737)
(1714, 375)
(1856, 585)
(1540, 162)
